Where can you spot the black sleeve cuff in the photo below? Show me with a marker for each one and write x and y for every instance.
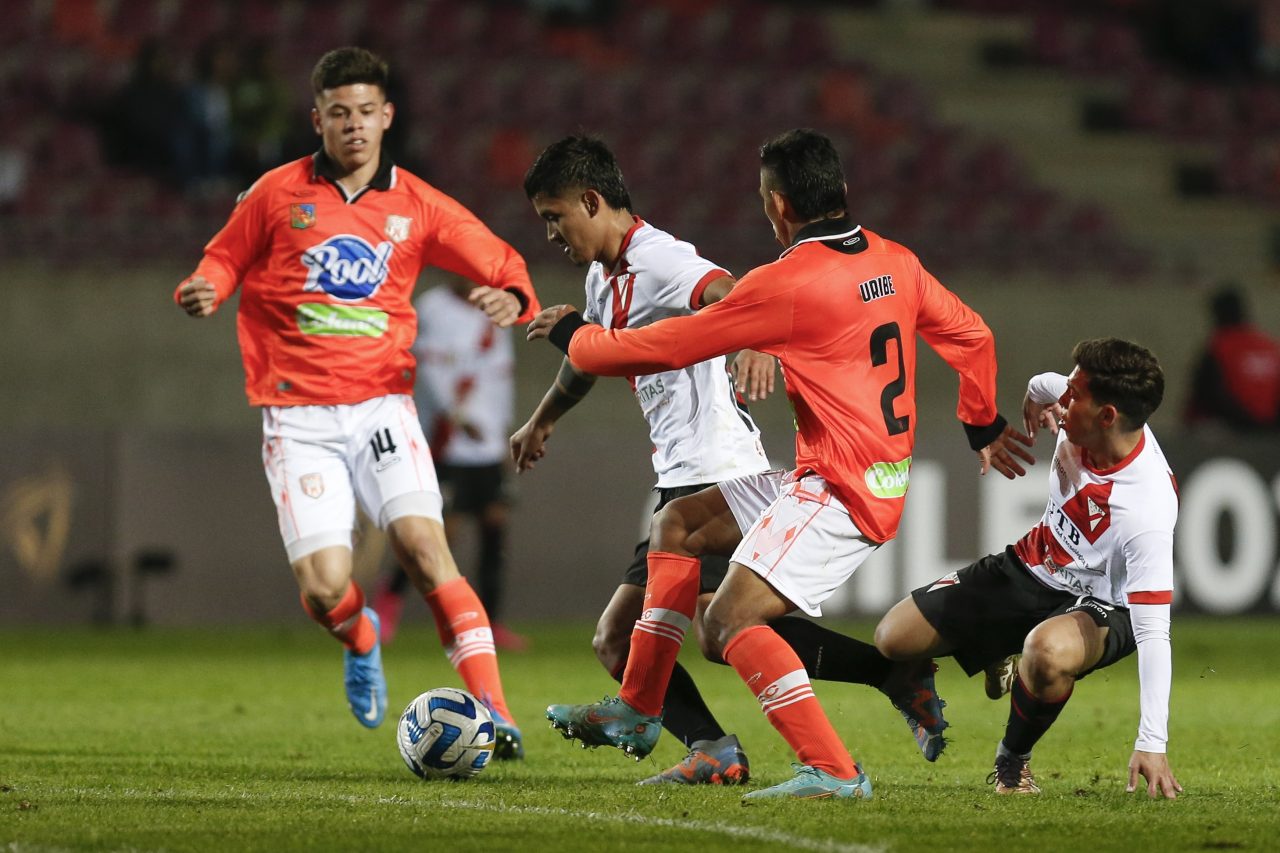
(980, 437)
(520, 296)
(562, 332)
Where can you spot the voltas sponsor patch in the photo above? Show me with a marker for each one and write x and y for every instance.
(302, 215)
(947, 580)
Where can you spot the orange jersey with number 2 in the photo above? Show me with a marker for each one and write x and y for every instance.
(841, 310)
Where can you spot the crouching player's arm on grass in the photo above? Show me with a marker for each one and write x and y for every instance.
(1155, 674)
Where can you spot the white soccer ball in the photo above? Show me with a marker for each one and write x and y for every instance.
(445, 734)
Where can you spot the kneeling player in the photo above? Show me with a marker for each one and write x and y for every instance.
(1089, 584)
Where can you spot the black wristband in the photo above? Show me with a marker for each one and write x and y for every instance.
(980, 437)
(562, 332)
(520, 297)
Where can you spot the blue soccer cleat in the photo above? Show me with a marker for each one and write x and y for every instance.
(609, 722)
(810, 783)
(365, 683)
(709, 762)
(911, 690)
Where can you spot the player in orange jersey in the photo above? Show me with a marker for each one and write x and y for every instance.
(326, 251)
(841, 310)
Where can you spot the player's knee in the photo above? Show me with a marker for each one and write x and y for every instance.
(610, 644)
(1045, 657)
(668, 530)
(718, 627)
(890, 641)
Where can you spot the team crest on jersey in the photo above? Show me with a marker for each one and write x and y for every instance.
(346, 267)
(1090, 510)
(397, 228)
(312, 485)
(302, 215)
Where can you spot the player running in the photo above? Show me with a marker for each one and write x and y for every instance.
(325, 251)
(1092, 581)
(840, 309)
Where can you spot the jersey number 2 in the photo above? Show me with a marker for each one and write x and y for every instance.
(880, 338)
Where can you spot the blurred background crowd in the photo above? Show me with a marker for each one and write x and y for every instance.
(1073, 170)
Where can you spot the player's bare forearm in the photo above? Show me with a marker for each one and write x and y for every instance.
(1154, 768)
(1003, 454)
(198, 297)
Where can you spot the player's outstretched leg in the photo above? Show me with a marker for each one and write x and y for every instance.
(811, 783)
(363, 678)
(910, 688)
(609, 722)
(709, 762)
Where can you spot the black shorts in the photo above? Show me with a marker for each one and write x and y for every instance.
(713, 568)
(470, 488)
(986, 610)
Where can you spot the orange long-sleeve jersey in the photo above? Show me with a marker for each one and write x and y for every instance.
(326, 280)
(840, 310)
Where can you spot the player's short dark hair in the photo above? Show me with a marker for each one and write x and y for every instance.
(578, 162)
(347, 66)
(806, 168)
(1122, 374)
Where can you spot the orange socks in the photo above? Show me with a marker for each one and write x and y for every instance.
(777, 679)
(670, 598)
(347, 621)
(464, 631)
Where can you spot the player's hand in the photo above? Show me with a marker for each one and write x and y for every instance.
(753, 374)
(1154, 767)
(548, 317)
(1036, 415)
(197, 296)
(502, 307)
(529, 444)
(1003, 453)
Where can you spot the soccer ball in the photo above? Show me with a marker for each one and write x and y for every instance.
(445, 734)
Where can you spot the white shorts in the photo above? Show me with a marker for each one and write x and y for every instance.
(321, 459)
(797, 536)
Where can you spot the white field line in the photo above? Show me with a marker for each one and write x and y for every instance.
(732, 830)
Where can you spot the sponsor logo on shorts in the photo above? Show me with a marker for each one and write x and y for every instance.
(312, 485)
(947, 580)
(889, 479)
(349, 320)
(385, 464)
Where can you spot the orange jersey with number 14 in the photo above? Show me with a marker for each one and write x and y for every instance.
(841, 310)
(326, 279)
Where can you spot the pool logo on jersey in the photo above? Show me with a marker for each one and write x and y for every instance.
(347, 267)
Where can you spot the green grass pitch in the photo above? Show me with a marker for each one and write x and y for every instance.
(241, 740)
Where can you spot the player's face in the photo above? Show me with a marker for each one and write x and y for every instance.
(351, 120)
(772, 209)
(1081, 411)
(571, 226)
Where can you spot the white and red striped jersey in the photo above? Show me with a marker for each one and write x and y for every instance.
(465, 375)
(1107, 533)
(701, 433)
